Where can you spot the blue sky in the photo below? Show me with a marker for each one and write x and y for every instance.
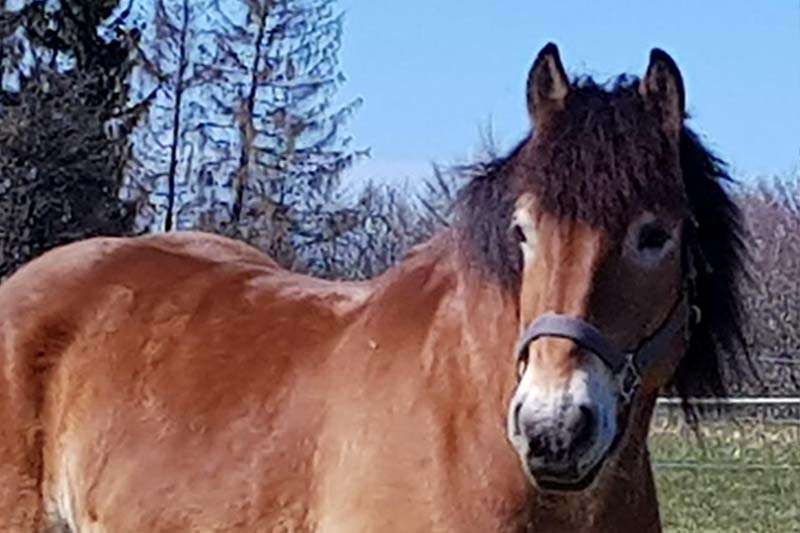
(435, 73)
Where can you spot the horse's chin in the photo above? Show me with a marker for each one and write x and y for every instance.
(570, 484)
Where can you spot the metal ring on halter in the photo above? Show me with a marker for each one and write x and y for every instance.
(696, 314)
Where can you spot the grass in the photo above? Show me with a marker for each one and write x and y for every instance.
(743, 477)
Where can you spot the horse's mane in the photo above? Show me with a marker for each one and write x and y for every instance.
(605, 157)
(714, 244)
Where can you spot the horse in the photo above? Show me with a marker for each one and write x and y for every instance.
(501, 378)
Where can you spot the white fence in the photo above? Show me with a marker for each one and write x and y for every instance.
(779, 410)
(782, 415)
(786, 400)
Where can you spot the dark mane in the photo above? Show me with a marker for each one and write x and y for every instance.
(717, 250)
(601, 158)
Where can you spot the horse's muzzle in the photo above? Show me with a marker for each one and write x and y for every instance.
(558, 451)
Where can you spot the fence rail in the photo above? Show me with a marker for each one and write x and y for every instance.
(760, 436)
(725, 467)
(785, 400)
(791, 361)
(781, 410)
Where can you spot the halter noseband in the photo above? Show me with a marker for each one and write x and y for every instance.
(626, 366)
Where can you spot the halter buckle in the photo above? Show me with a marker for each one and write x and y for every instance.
(629, 379)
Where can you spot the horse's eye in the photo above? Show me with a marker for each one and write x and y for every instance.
(518, 233)
(652, 237)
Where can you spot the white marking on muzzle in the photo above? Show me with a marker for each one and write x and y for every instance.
(537, 402)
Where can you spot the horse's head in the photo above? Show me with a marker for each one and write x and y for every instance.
(605, 226)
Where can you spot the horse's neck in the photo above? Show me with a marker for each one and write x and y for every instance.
(448, 296)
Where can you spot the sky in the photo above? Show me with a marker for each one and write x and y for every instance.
(436, 75)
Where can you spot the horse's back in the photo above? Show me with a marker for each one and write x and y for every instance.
(151, 384)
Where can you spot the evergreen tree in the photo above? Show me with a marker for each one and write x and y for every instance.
(63, 125)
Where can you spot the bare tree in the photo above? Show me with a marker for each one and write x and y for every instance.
(171, 74)
(376, 230)
(772, 294)
(182, 61)
(281, 194)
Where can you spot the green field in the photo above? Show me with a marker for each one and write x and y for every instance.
(743, 478)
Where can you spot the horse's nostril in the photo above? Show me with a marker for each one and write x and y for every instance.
(583, 427)
(538, 446)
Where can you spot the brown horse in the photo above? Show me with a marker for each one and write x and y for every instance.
(501, 378)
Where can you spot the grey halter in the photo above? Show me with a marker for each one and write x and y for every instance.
(626, 366)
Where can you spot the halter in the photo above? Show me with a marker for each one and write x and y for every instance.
(627, 367)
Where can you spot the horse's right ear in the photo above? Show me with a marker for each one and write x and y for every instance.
(548, 85)
(663, 93)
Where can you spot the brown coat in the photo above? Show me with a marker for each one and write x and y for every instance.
(185, 383)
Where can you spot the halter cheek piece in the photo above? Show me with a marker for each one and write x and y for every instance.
(626, 366)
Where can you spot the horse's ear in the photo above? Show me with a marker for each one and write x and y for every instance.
(548, 84)
(662, 90)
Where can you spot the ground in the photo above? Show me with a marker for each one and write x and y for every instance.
(744, 477)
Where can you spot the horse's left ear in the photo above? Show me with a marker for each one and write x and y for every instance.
(548, 85)
(662, 90)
